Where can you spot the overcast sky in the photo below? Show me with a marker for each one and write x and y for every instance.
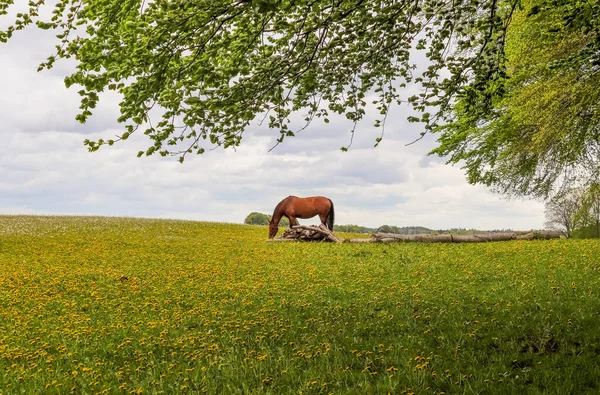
(45, 168)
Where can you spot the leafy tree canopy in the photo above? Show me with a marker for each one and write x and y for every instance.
(255, 218)
(210, 67)
(205, 69)
(537, 127)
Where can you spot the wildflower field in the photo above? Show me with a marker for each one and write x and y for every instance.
(93, 305)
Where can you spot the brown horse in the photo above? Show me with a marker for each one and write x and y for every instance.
(294, 207)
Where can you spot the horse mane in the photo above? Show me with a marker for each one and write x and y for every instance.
(277, 208)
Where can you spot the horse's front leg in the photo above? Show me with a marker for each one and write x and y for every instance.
(293, 221)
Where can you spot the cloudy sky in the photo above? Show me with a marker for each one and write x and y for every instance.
(45, 168)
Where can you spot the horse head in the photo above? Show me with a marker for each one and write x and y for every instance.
(273, 228)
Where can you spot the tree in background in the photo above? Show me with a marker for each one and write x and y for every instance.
(587, 218)
(561, 210)
(386, 229)
(575, 212)
(255, 218)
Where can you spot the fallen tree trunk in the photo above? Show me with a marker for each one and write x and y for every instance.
(474, 238)
(321, 233)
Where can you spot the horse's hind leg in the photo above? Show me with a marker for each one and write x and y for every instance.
(323, 218)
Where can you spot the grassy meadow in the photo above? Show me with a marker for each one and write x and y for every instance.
(92, 305)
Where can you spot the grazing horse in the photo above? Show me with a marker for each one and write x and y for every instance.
(294, 207)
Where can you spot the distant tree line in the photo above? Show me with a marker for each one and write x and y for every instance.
(353, 229)
(256, 218)
(404, 230)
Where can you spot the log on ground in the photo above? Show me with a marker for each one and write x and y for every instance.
(308, 233)
(474, 238)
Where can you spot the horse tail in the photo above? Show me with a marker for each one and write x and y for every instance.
(330, 216)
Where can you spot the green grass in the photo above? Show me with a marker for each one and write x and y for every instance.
(113, 305)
